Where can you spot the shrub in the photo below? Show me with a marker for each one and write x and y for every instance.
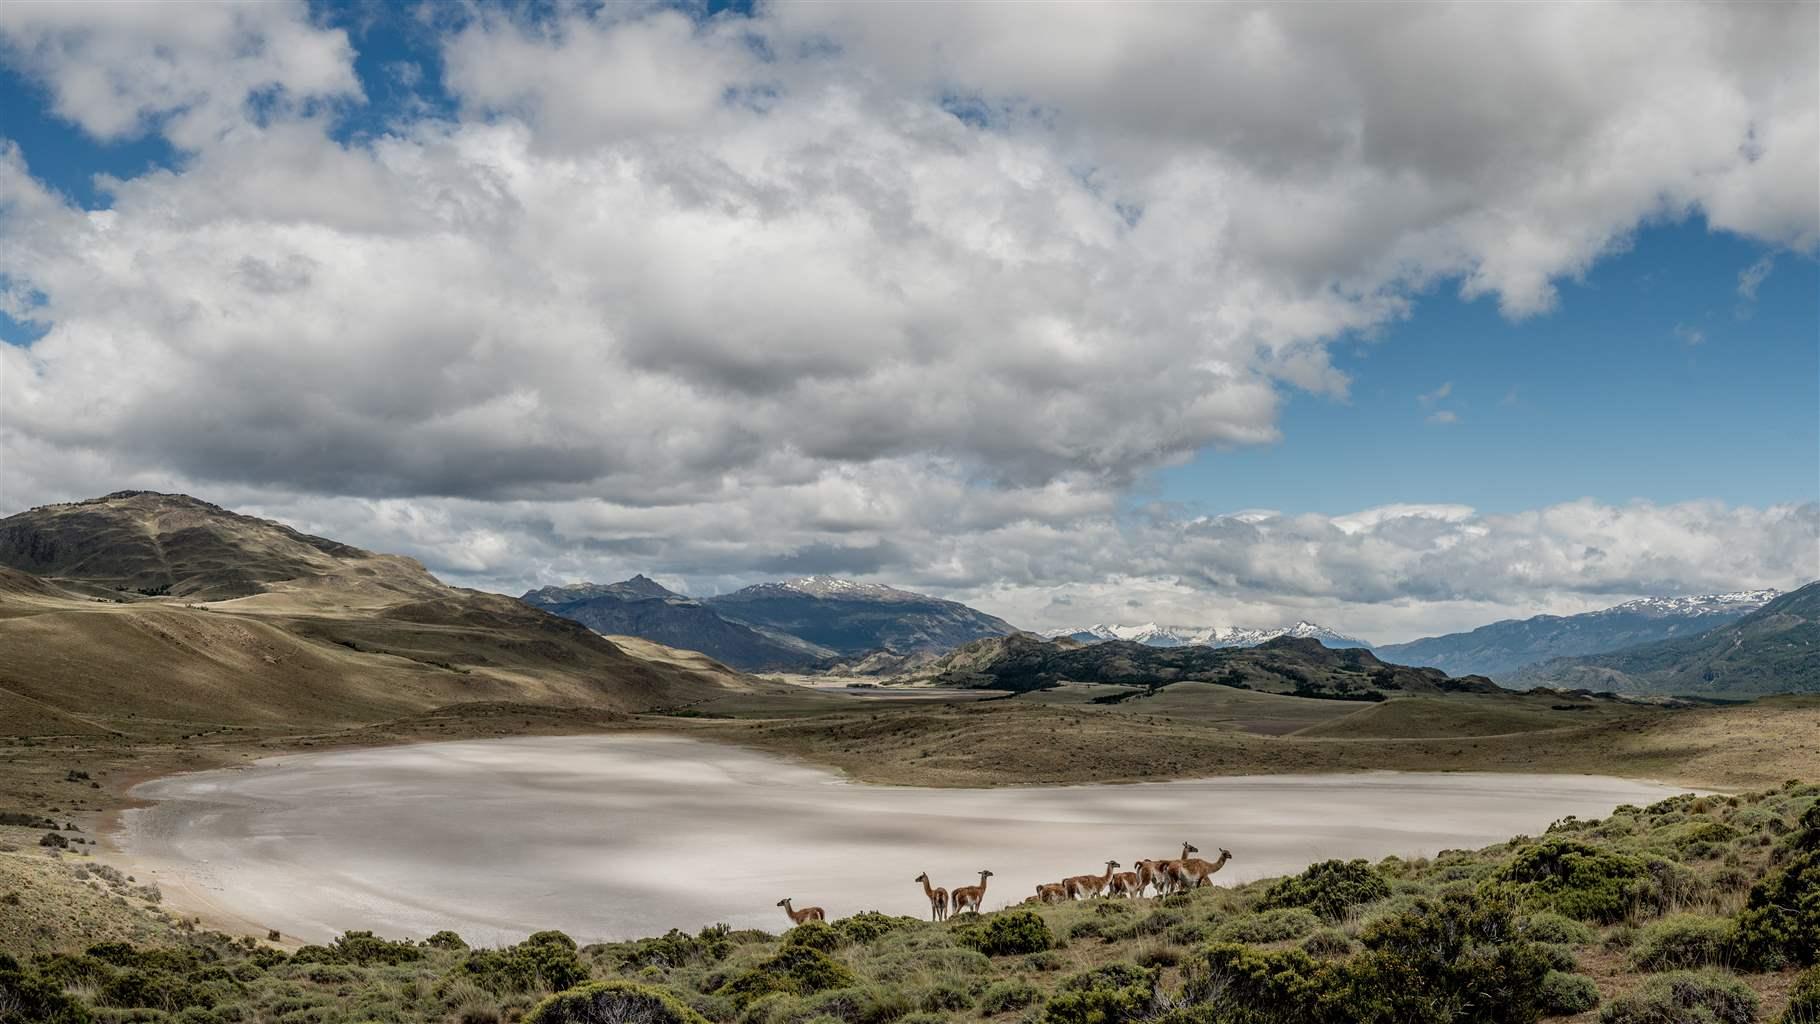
(1235, 984)
(32, 998)
(1804, 1000)
(1780, 922)
(1577, 879)
(1328, 888)
(797, 970)
(613, 1002)
(861, 1004)
(1553, 928)
(675, 948)
(1458, 958)
(1565, 994)
(1009, 934)
(54, 840)
(1269, 926)
(364, 949)
(813, 935)
(1327, 942)
(1685, 997)
(545, 959)
(870, 925)
(944, 996)
(444, 939)
(1681, 942)
(1105, 995)
(1003, 996)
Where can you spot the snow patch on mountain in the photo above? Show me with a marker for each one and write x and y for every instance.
(1154, 635)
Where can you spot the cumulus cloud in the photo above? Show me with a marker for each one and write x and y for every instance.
(831, 286)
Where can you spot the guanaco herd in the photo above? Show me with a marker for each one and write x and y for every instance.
(1167, 876)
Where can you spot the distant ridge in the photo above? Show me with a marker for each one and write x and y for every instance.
(1775, 649)
(851, 618)
(1502, 648)
(643, 608)
(1154, 635)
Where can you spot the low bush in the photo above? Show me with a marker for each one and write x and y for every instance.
(613, 1002)
(1104, 995)
(1005, 996)
(675, 948)
(1684, 997)
(545, 960)
(814, 935)
(1269, 926)
(869, 926)
(1780, 923)
(1682, 942)
(1008, 934)
(1804, 1000)
(28, 997)
(1327, 942)
(795, 970)
(1565, 994)
(1553, 928)
(1576, 879)
(1329, 888)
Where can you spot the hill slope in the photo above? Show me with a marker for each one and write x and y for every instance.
(1775, 649)
(856, 618)
(640, 607)
(1023, 662)
(142, 607)
(1501, 648)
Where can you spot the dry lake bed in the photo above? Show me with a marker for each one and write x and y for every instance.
(609, 837)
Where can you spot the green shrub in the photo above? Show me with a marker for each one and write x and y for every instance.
(27, 997)
(870, 925)
(544, 960)
(944, 996)
(674, 948)
(1327, 942)
(1329, 888)
(1577, 879)
(445, 939)
(1804, 1000)
(1684, 997)
(1269, 926)
(1780, 923)
(1457, 958)
(796, 970)
(860, 1004)
(1565, 994)
(814, 935)
(1236, 984)
(1104, 995)
(365, 949)
(1681, 942)
(1553, 928)
(1009, 934)
(1004, 996)
(613, 1002)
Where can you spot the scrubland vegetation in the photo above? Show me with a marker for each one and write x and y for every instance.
(1695, 910)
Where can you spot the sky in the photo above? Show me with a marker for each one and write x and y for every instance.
(1398, 318)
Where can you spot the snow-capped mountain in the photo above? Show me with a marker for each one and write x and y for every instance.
(852, 618)
(1154, 635)
(1499, 649)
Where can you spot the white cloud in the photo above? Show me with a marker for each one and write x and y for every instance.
(1752, 277)
(727, 297)
(1436, 395)
(1689, 335)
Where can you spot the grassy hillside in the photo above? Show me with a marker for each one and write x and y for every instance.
(1689, 911)
(1022, 662)
(1775, 649)
(141, 613)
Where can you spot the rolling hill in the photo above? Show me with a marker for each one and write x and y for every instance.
(142, 607)
(1023, 662)
(1775, 649)
(1501, 648)
(641, 607)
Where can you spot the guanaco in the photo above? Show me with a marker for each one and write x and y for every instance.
(938, 897)
(1125, 883)
(1082, 886)
(1192, 872)
(1148, 874)
(1166, 879)
(805, 914)
(1051, 892)
(971, 897)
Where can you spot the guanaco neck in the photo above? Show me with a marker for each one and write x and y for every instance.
(928, 890)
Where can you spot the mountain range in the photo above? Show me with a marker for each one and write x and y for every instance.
(1502, 648)
(1153, 635)
(1774, 649)
(791, 624)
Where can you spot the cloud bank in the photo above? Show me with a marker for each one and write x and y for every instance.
(848, 288)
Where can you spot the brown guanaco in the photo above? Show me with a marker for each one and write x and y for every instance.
(971, 897)
(938, 897)
(805, 914)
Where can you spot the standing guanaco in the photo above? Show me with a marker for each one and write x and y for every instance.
(1082, 886)
(1166, 880)
(1051, 892)
(1125, 883)
(1148, 874)
(971, 897)
(938, 897)
(1192, 872)
(805, 914)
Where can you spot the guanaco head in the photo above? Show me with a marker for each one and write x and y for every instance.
(1113, 864)
(985, 875)
(1188, 848)
(785, 902)
(1225, 854)
(924, 877)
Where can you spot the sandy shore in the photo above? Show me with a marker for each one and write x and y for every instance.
(615, 836)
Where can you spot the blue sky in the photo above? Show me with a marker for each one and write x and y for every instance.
(1609, 396)
(590, 311)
